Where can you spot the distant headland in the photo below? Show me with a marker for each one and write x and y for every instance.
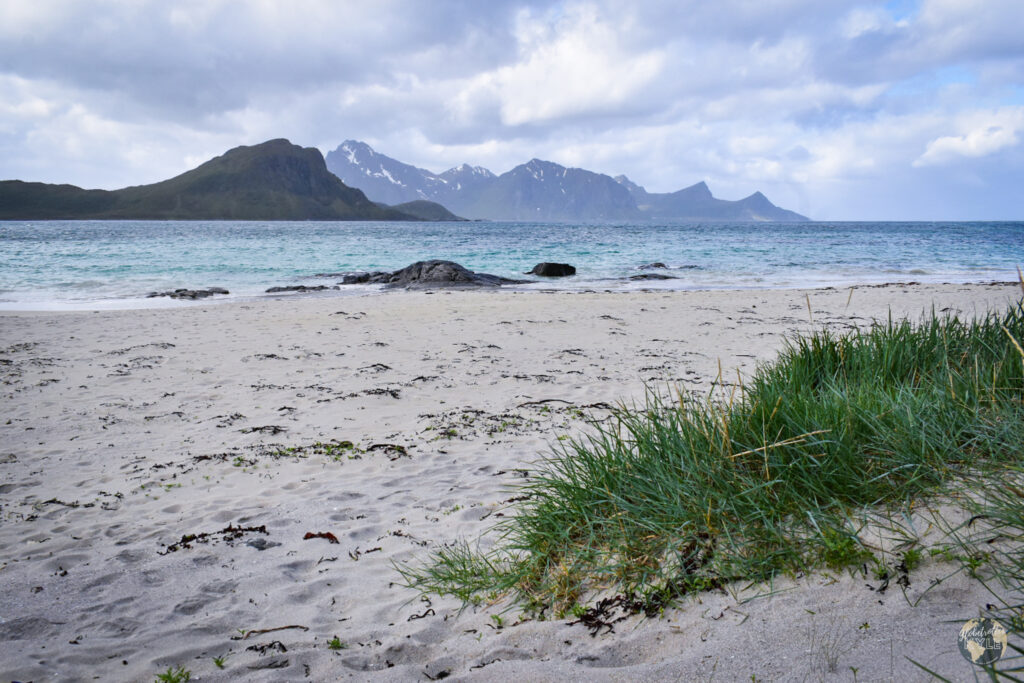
(275, 180)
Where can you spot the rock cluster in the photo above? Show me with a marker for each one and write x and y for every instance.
(425, 274)
(192, 294)
(298, 288)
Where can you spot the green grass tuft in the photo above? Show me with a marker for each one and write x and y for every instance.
(174, 675)
(685, 493)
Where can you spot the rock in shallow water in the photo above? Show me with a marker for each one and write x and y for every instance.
(298, 288)
(363, 278)
(653, 276)
(553, 270)
(189, 293)
(434, 273)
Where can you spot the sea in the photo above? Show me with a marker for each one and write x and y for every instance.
(72, 265)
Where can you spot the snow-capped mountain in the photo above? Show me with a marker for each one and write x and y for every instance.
(537, 190)
(392, 182)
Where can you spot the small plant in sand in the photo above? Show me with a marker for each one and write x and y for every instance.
(219, 661)
(335, 450)
(829, 638)
(174, 675)
(685, 493)
(840, 549)
(336, 644)
(974, 561)
(912, 558)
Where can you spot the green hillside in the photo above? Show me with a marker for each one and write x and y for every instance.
(275, 180)
(426, 210)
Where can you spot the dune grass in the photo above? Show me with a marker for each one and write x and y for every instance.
(685, 493)
(991, 548)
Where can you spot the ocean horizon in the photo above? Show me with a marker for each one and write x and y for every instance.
(69, 265)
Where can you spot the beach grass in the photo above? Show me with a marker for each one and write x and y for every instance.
(1005, 511)
(684, 493)
(990, 545)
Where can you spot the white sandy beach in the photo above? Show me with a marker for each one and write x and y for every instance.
(123, 431)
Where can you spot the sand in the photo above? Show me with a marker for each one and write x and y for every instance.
(123, 431)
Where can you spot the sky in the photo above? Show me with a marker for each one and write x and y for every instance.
(840, 110)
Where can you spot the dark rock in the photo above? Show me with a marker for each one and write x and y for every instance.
(191, 294)
(653, 276)
(651, 266)
(298, 288)
(363, 278)
(443, 273)
(435, 273)
(553, 270)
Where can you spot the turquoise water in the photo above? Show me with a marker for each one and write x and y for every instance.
(72, 264)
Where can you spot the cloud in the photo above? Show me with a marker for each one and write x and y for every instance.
(987, 133)
(826, 104)
(566, 66)
(201, 58)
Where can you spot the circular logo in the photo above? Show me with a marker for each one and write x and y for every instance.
(982, 641)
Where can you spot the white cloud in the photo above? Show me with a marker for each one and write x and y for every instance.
(986, 133)
(866, 20)
(814, 101)
(19, 18)
(21, 103)
(566, 66)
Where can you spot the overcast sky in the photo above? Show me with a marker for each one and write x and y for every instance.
(910, 109)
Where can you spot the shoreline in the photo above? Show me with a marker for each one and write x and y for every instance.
(342, 292)
(129, 429)
(64, 266)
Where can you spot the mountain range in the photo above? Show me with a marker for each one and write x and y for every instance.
(275, 180)
(538, 191)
